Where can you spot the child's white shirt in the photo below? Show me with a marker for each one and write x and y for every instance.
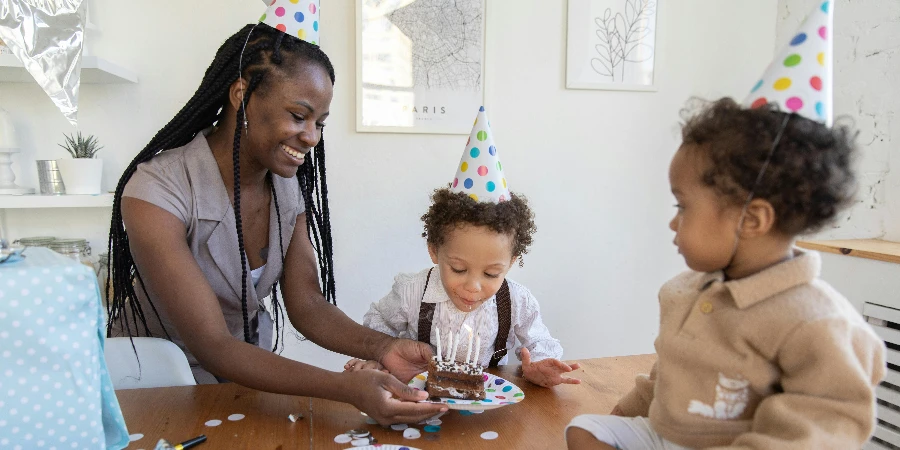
(397, 314)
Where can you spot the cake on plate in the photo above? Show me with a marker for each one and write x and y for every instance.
(457, 380)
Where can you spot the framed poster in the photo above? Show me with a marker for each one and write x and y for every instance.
(420, 65)
(611, 44)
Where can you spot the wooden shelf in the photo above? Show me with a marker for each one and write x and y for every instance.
(862, 248)
(56, 201)
(94, 70)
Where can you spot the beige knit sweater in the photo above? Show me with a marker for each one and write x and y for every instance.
(776, 360)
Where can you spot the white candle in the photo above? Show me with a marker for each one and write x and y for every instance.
(477, 350)
(455, 346)
(449, 345)
(437, 333)
(469, 349)
(7, 131)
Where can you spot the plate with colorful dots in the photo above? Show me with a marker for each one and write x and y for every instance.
(498, 392)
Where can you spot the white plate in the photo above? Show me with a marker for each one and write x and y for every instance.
(499, 392)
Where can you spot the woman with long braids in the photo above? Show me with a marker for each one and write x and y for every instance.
(227, 203)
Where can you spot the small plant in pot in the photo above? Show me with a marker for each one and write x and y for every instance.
(83, 172)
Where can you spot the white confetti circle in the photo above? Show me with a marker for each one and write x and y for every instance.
(359, 442)
(412, 433)
(342, 439)
(399, 426)
(213, 423)
(489, 435)
(235, 417)
(135, 437)
(434, 422)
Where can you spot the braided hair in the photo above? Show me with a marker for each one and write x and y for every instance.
(255, 51)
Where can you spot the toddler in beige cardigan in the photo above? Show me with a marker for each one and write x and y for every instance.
(754, 350)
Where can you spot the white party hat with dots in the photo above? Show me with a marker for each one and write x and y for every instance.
(298, 18)
(800, 78)
(480, 174)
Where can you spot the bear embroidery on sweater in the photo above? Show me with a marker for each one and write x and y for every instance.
(732, 395)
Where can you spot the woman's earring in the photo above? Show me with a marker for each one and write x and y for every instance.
(245, 124)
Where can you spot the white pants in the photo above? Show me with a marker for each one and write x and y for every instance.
(624, 433)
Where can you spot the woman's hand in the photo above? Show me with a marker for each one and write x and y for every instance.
(405, 358)
(386, 399)
(357, 364)
(547, 372)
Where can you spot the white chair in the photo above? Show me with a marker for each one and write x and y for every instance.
(162, 363)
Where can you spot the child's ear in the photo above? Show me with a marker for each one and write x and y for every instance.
(432, 250)
(759, 219)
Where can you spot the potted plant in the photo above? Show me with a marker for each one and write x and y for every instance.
(83, 172)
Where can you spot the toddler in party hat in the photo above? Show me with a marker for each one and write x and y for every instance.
(476, 230)
(754, 350)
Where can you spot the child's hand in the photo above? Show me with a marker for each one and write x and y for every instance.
(357, 364)
(547, 372)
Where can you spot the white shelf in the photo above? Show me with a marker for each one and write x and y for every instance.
(94, 70)
(56, 201)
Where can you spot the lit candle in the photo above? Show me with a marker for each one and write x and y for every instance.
(477, 350)
(437, 333)
(469, 349)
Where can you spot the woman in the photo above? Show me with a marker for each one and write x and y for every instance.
(216, 196)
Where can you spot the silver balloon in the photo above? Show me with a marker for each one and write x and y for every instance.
(48, 37)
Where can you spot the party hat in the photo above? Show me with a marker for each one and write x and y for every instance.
(800, 78)
(480, 174)
(298, 18)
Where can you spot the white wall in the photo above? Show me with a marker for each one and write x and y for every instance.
(867, 72)
(593, 163)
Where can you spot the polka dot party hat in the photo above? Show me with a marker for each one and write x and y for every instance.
(298, 18)
(800, 77)
(480, 174)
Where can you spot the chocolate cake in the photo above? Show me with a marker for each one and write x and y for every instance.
(455, 380)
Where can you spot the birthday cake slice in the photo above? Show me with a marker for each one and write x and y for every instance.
(451, 379)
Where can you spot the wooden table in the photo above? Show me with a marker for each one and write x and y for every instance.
(180, 413)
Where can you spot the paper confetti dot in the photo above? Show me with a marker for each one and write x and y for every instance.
(434, 422)
(213, 423)
(432, 428)
(359, 442)
(465, 413)
(342, 439)
(412, 433)
(135, 437)
(399, 426)
(489, 435)
(235, 417)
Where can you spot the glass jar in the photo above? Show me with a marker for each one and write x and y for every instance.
(35, 241)
(77, 249)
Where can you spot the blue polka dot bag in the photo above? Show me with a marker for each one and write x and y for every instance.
(55, 392)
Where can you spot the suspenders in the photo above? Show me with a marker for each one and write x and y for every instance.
(504, 318)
